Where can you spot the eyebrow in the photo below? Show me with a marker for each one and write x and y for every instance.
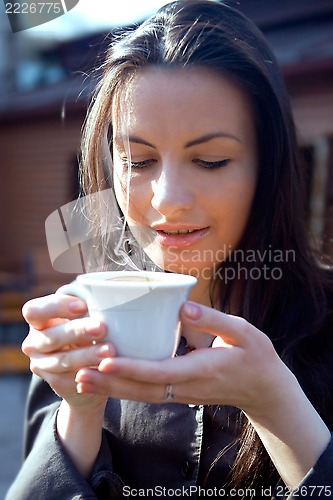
(210, 137)
(200, 140)
(133, 138)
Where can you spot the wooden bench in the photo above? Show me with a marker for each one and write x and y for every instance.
(12, 359)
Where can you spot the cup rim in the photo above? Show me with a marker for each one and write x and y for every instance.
(100, 278)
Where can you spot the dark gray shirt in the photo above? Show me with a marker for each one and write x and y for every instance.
(148, 450)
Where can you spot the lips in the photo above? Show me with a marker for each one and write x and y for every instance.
(179, 237)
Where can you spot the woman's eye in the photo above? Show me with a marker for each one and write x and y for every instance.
(139, 164)
(212, 164)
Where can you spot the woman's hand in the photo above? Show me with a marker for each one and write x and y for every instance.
(61, 341)
(241, 369)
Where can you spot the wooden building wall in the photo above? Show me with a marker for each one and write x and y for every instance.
(38, 175)
(312, 103)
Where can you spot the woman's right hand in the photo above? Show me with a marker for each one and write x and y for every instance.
(61, 341)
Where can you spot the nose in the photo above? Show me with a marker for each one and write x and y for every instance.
(172, 193)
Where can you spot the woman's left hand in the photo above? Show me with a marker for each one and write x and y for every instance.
(241, 369)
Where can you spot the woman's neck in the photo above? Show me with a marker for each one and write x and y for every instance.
(200, 294)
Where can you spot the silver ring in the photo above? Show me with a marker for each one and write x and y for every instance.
(169, 395)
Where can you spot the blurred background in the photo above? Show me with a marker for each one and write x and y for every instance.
(46, 83)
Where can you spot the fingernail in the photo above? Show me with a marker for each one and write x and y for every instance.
(82, 376)
(104, 351)
(192, 311)
(82, 388)
(79, 388)
(94, 329)
(77, 306)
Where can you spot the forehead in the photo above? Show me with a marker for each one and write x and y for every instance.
(165, 98)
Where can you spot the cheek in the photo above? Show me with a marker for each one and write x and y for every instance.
(133, 199)
(233, 203)
(239, 207)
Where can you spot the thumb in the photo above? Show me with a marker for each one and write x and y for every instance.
(231, 329)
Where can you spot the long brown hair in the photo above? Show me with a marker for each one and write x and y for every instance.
(290, 305)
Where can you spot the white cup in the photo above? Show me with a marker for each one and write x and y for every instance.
(139, 308)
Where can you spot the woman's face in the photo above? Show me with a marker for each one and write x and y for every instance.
(185, 166)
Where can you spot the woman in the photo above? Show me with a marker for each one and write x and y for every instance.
(191, 128)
